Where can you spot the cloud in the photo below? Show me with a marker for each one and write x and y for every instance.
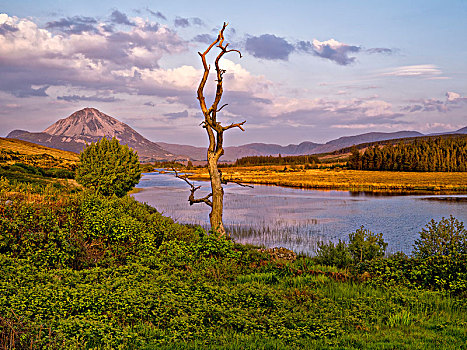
(29, 91)
(453, 100)
(181, 22)
(33, 56)
(380, 50)
(183, 114)
(204, 38)
(426, 105)
(186, 22)
(197, 21)
(452, 96)
(118, 17)
(6, 28)
(74, 25)
(157, 14)
(269, 46)
(415, 71)
(95, 98)
(330, 49)
(413, 108)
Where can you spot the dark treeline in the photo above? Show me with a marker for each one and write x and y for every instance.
(279, 160)
(435, 154)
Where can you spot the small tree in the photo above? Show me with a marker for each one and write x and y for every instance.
(366, 245)
(363, 245)
(108, 167)
(441, 238)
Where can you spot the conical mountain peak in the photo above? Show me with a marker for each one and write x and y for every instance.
(88, 122)
(91, 125)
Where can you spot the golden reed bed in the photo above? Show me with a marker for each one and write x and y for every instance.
(353, 180)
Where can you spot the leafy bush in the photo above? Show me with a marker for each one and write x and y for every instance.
(108, 168)
(441, 238)
(363, 245)
(333, 255)
(440, 272)
(366, 245)
(84, 230)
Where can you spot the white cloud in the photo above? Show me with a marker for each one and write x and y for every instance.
(32, 55)
(452, 96)
(422, 70)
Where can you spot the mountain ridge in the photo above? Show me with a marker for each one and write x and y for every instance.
(90, 125)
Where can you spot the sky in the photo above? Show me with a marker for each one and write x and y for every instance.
(310, 70)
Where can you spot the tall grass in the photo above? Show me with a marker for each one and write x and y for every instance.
(352, 180)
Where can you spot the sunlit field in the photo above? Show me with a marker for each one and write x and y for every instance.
(352, 180)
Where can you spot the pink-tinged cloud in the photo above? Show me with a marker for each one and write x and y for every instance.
(32, 56)
(453, 101)
(415, 71)
(331, 49)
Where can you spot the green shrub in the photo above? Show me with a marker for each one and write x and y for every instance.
(441, 238)
(441, 272)
(108, 168)
(83, 230)
(363, 245)
(366, 245)
(333, 255)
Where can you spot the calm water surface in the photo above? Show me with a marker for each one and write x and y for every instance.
(297, 219)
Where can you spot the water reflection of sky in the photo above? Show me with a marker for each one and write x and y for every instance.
(297, 218)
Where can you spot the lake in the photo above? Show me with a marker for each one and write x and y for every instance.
(297, 218)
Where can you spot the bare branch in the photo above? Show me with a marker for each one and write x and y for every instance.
(227, 51)
(239, 183)
(225, 181)
(220, 109)
(193, 189)
(234, 125)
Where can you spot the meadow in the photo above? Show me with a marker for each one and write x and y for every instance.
(343, 179)
(82, 271)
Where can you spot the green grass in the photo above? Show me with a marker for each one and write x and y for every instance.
(80, 271)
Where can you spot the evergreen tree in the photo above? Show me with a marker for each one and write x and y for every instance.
(433, 154)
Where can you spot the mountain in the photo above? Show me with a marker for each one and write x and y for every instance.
(90, 125)
(265, 149)
(235, 152)
(347, 141)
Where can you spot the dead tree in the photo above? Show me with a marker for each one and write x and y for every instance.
(215, 133)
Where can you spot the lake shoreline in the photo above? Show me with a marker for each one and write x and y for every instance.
(347, 180)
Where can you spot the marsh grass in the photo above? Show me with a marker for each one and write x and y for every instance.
(299, 238)
(351, 180)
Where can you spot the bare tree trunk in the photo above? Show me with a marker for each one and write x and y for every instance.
(217, 191)
(215, 133)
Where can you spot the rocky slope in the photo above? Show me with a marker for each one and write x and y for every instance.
(90, 125)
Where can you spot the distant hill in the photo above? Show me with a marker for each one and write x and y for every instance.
(19, 151)
(90, 125)
(347, 141)
(265, 149)
(235, 152)
(29, 148)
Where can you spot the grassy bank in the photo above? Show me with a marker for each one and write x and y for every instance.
(351, 180)
(81, 271)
